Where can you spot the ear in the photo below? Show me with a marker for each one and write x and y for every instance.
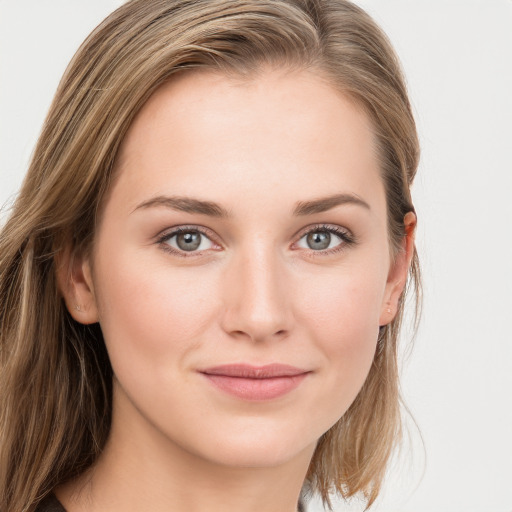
(74, 281)
(398, 272)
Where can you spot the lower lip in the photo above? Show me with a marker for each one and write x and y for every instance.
(256, 389)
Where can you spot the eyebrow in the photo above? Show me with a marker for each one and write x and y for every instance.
(186, 204)
(212, 209)
(324, 204)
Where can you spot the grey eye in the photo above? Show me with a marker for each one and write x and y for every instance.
(318, 240)
(188, 241)
(321, 239)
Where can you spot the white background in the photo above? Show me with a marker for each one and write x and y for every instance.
(457, 382)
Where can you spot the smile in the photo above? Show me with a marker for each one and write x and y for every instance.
(255, 383)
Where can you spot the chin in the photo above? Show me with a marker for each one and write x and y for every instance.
(261, 446)
(261, 455)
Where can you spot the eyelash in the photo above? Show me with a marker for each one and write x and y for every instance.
(184, 229)
(347, 239)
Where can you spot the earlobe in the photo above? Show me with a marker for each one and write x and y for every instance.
(74, 281)
(398, 272)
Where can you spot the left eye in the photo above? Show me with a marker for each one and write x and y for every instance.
(188, 240)
(321, 240)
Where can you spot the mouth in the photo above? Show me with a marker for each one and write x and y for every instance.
(255, 383)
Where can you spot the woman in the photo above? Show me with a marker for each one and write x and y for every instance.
(203, 277)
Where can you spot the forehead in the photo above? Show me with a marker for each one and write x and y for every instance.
(285, 131)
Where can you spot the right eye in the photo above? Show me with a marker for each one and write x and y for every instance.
(181, 241)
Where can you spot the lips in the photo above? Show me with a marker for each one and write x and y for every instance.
(255, 383)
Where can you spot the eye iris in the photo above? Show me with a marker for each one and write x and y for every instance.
(188, 241)
(319, 240)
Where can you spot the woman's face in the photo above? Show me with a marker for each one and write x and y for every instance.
(241, 268)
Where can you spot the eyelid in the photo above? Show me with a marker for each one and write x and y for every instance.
(168, 232)
(346, 236)
(176, 230)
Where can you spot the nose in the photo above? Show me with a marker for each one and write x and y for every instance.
(257, 297)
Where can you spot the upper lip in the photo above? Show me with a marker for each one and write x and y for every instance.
(254, 372)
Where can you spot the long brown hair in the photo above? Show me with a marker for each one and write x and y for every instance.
(56, 379)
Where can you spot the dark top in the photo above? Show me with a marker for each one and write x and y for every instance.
(52, 504)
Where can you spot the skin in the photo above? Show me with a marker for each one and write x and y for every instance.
(255, 291)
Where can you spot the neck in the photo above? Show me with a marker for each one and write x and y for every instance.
(141, 470)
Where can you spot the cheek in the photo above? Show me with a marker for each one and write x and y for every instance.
(343, 318)
(147, 307)
(344, 306)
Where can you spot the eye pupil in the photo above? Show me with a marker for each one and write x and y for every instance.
(319, 240)
(188, 241)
